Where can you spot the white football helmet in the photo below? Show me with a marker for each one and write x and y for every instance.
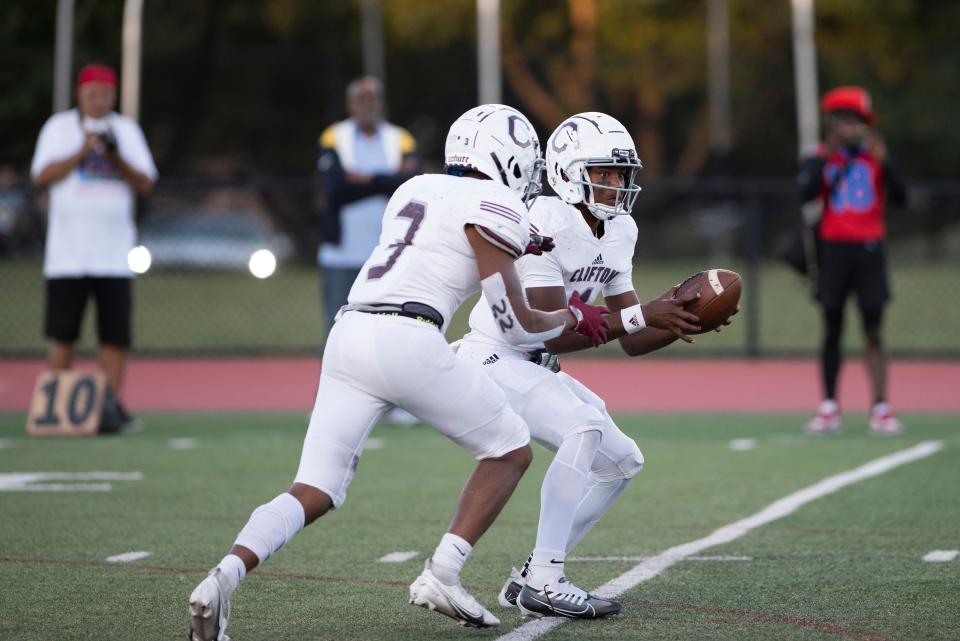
(592, 139)
(499, 142)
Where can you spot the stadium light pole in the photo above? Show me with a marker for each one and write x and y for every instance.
(488, 51)
(805, 74)
(808, 114)
(718, 81)
(373, 55)
(63, 56)
(130, 65)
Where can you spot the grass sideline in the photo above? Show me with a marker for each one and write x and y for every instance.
(210, 312)
(847, 565)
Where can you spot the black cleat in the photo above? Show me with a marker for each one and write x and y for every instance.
(564, 599)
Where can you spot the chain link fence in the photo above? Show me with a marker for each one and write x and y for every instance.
(201, 297)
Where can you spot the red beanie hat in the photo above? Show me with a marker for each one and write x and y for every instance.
(855, 99)
(97, 73)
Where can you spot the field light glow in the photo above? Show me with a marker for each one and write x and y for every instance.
(263, 263)
(139, 259)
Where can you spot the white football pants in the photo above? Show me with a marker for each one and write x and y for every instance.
(554, 406)
(374, 361)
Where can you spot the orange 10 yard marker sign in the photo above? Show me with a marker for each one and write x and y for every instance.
(66, 403)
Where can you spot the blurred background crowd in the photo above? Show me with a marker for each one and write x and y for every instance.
(234, 96)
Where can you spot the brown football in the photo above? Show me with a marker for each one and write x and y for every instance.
(719, 295)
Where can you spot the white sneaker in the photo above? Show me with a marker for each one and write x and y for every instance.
(511, 589)
(883, 422)
(209, 610)
(827, 419)
(427, 591)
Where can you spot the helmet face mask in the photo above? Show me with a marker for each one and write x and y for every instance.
(591, 140)
(535, 186)
(499, 142)
(626, 195)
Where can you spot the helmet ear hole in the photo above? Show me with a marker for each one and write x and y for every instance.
(516, 170)
(563, 175)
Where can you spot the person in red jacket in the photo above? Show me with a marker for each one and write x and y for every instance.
(852, 174)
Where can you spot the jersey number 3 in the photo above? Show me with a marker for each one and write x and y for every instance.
(414, 211)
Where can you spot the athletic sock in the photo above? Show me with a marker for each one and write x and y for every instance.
(449, 557)
(546, 567)
(828, 406)
(526, 566)
(232, 571)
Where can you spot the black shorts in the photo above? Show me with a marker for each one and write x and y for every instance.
(67, 299)
(853, 267)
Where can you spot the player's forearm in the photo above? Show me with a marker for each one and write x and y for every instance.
(520, 325)
(337, 187)
(57, 171)
(570, 341)
(896, 185)
(137, 179)
(648, 339)
(535, 321)
(636, 343)
(810, 178)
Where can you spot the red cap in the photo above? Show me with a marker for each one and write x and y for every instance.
(97, 73)
(855, 99)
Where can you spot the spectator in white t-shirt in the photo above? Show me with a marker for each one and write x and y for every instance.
(94, 162)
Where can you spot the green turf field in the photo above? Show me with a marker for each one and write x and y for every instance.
(197, 312)
(847, 565)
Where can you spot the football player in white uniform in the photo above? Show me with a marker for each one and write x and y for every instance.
(592, 166)
(444, 237)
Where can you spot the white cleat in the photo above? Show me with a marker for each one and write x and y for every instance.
(883, 422)
(209, 610)
(427, 591)
(511, 589)
(827, 420)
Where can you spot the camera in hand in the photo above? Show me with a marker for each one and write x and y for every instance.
(108, 140)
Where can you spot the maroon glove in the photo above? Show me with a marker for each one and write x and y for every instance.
(590, 320)
(539, 244)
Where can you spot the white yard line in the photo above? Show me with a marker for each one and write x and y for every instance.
(398, 557)
(644, 558)
(182, 443)
(743, 444)
(37, 481)
(127, 557)
(656, 565)
(6, 443)
(940, 556)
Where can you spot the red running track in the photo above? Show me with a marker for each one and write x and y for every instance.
(639, 385)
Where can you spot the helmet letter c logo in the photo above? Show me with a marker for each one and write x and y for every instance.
(525, 141)
(571, 128)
